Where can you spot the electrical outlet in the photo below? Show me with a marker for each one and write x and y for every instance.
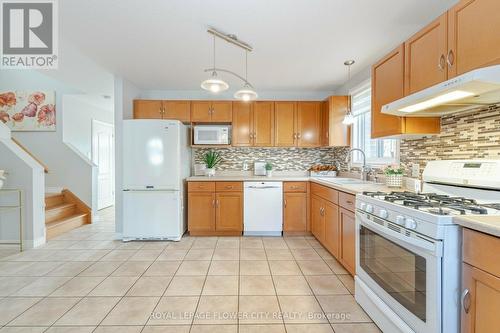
(415, 170)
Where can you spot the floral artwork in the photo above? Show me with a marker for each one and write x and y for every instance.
(28, 110)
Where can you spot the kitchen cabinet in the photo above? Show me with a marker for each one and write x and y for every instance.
(333, 131)
(425, 56)
(211, 111)
(332, 229)
(285, 125)
(318, 218)
(253, 124)
(295, 207)
(157, 109)
(473, 35)
(215, 208)
(308, 119)
(348, 243)
(480, 298)
(388, 86)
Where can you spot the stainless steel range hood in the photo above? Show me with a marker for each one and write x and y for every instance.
(476, 88)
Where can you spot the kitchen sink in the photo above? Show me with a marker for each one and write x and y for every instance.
(346, 181)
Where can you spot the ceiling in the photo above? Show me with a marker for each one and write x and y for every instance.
(299, 45)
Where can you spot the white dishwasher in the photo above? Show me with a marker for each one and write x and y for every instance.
(263, 209)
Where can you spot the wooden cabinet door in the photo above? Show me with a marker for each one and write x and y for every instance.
(147, 109)
(179, 110)
(325, 124)
(332, 228)
(425, 56)
(309, 124)
(200, 111)
(295, 212)
(242, 124)
(473, 35)
(318, 218)
(201, 211)
(387, 86)
(348, 243)
(222, 111)
(263, 124)
(285, 126)
(480, 301)
(338, 134)
(229, 211)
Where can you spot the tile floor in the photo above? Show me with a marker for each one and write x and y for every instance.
(85, 281)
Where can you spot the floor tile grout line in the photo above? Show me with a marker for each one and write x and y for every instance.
(275, 291)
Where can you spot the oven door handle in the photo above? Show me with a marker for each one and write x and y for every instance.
(434, 249)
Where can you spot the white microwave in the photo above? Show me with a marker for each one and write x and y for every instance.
(212, 134)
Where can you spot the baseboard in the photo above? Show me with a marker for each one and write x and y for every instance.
(31, 244)
(54, 189)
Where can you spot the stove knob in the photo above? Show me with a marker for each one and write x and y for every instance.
(362, 206)
(400, 220)
(410, 224)
(383, 214)
(369, 209)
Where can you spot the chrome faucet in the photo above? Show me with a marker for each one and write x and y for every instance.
(364, 169)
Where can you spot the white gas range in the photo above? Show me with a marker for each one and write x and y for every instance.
(408, 250)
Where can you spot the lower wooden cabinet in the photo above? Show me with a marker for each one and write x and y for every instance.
(213, 209)
(332, 229)
(318, 218)
(348, 243)
(480, 297)
(295, 212)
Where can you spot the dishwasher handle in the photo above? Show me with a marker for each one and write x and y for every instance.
(262, 187)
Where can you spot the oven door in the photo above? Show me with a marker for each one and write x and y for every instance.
(402, 268)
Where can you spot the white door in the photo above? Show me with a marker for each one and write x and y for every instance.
(103, 154)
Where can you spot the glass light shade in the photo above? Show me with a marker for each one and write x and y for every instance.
(246, 94)
(214, 84)
(348, 119)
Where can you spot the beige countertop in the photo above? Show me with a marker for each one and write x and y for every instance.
(348, 188)
(488, 224)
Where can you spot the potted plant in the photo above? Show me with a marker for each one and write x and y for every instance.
(211, 160)
(269, 169)
(394, 176)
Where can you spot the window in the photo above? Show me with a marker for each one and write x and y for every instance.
(378, 151)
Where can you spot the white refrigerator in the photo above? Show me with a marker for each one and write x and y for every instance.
(156, 160)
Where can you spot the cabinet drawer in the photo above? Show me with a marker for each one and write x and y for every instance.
(479, 250)
(201, 186)
(325, 193)
(347, 201)
(229, 186)
(295, 187)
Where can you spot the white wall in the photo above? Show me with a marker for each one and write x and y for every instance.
(67, 168)
(124, 94)
(355, 81)
(77, 121)
(26, 174)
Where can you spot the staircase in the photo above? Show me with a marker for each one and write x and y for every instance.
(64, 212)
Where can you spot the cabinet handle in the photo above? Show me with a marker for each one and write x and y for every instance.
(441, 62)
(295, 135)
(466, 300)
(294, 187)
(229, 187)
(213, 203)
(217, 203)
(285, 203)
(298, 135)
(450, 58)
(349, 202)
(322, 211)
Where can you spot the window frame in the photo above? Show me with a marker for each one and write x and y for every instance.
(376, 163)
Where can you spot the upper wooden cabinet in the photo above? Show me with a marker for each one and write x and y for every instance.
(253, 124)
(473, 35)
(333, 131)
(156, 109)
(425, 56)
(211, 111)
(308, 124)
(285, 125)
(387, 86)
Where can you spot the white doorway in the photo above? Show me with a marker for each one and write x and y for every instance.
(103, 155)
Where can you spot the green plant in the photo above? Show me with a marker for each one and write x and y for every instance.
(211, 159)
(394, 170)
(269, 166)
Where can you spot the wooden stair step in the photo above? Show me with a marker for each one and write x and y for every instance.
(61, 211)
(53, 199)
(61, 226)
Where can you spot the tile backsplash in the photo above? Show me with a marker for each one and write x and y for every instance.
(467, 135)
(283, 159)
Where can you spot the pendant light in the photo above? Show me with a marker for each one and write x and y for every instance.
(213, 84)
(348, 119)
(247, 93)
